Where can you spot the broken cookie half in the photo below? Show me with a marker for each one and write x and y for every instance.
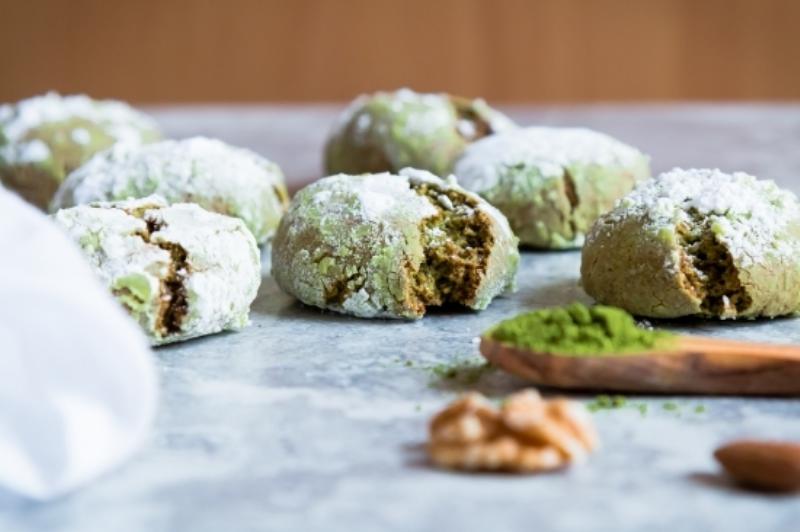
(179, 270)
(382, 245)
(698, 243)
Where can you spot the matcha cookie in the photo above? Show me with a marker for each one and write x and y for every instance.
(551, 183)
(390, 246)
(44, 138)
(179, 270)
(216, 176)
(698, 243)
(387, 131)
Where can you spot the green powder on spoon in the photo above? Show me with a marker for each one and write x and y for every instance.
(579, 330)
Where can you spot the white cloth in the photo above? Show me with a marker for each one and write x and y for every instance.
(78, 386)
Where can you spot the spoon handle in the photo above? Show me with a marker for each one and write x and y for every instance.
(722, 347)
(695, 365)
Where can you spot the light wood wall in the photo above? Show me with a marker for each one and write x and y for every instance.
(314, 50)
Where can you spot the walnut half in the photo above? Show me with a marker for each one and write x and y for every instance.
(526, 434)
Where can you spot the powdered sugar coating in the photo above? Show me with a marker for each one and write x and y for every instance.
(215, 175)
(698, 243)
(128, 245)
(551, 183)
(366, 232)
(387, 131)
(749, 215)
(117, 119)
(548, 149)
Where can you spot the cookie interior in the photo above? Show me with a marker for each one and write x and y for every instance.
(172, 300)
(708, 271)
(457, 243)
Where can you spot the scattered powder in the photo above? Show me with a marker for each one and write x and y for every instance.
(607, 402)
(549, 150)
(466, 369)
(617, 402)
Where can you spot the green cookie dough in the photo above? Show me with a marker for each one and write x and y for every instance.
(698, 243)
(44, 138)
(551, 183)
(388, 131)
(210, 173)
(390, 246)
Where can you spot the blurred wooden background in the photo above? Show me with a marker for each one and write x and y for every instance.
(317, 50)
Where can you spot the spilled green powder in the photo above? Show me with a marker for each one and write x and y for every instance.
(579, 330)
(467, 371)
(615, 402)
(607, 402)
(461, 369)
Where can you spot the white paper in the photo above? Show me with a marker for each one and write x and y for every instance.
(78, 386)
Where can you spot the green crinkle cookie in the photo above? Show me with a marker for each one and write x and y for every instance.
(551, 183)
(388, 131)
(698, 243)
(44, 138)
(215, 175)
(390, 246)
(179, 270)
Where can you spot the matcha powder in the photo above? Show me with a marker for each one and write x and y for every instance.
(580, 330)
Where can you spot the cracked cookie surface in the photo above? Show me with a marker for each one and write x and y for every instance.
(44, 138)
(218, 177)
(391, 246)
(698, 243)
(551, 183)
(388, 131)
(179, 270)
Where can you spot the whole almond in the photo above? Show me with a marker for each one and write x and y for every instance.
(763, 465)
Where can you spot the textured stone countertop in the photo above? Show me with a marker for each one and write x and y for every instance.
(311, 421)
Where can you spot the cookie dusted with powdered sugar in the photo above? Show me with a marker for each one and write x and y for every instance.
(179, 270)
(551, 183)
(44, 138)
(387, 131)
(215, 175)
(391, 246)
(698, 243)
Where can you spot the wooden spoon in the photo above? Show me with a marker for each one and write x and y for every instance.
(694, 364)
